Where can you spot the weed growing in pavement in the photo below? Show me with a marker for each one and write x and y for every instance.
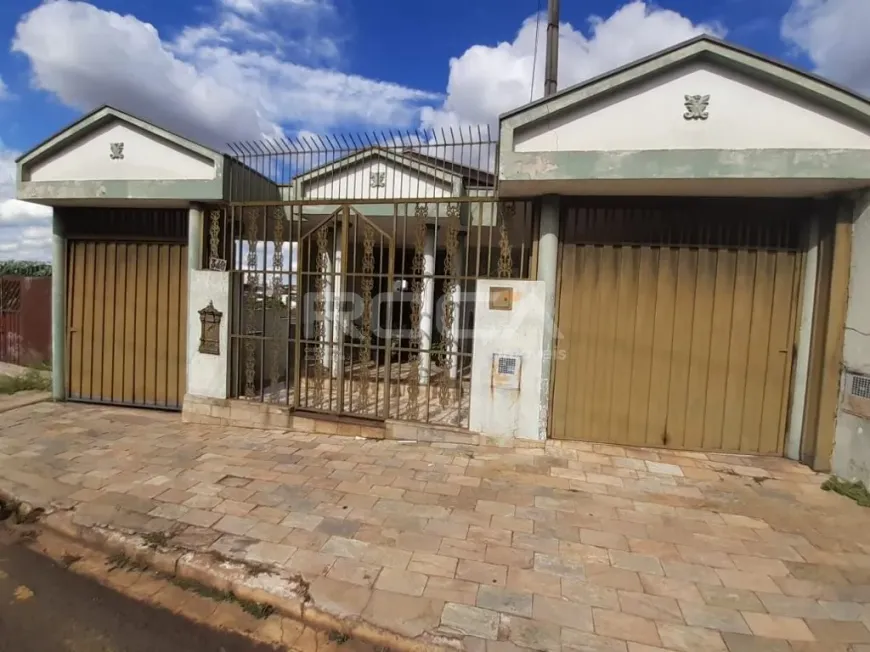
(156, 540)
(854, 490)
(338, 637)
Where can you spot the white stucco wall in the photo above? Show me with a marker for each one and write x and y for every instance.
(507, 412)
(207, 374)
(851, 457)
(743, 114)
(145, 157)
(355, 182)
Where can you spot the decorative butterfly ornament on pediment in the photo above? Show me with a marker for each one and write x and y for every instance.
(696, 107)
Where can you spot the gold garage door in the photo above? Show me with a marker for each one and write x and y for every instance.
(676, 325)
(127, 316)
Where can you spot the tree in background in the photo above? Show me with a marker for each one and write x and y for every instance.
(24, 268)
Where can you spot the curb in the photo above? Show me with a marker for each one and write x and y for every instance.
(42, 397)
(287, 596)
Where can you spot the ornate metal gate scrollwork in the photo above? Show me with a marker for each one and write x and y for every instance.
(367, 285)
(274, 311)
(505, 259)
(421, 215)
(448, 363)
(250, 216)
(317, 351)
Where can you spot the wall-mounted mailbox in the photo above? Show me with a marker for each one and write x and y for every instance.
(210, 333)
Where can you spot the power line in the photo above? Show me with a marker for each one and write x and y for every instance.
(535, 54)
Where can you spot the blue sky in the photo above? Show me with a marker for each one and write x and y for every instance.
(222, 70)
(410, 44)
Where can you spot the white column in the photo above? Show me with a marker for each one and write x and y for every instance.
(58, 310)
(805, 333)
(548, 253)
(428, 307)
(196, 225)
(457, 309)
(328, 311)
(337, 306)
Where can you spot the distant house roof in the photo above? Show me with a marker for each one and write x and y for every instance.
(433, 166)
(471, 176)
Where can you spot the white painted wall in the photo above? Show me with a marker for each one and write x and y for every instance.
(207, 374)
(520, 331)
(355, 182)
(851, 457)
(743, 114)
(145, 157)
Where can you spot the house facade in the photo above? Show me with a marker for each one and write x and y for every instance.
(669, 255)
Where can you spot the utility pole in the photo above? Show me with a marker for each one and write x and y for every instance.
(548, 234)
(551, 71)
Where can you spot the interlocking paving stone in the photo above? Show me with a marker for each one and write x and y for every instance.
(568, 545)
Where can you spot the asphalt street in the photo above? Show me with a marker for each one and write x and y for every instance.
(46, 608)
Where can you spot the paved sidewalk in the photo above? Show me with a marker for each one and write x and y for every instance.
(573, 546)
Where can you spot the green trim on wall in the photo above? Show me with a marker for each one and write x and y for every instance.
(188, 190)
(686, 164)
(115, 189)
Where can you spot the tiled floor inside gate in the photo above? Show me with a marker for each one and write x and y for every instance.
(571, 546)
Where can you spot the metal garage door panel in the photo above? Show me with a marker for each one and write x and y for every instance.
(126, 314)
(685, 342)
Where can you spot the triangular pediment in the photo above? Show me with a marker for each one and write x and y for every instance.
(110, 145)
(376, 174)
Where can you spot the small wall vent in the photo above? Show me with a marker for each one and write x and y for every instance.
(856, 399)
(506, 371)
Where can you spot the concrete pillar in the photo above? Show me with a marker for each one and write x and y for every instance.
(427, 309)
(195, 221)
(457, 310)
(328, 310)
(337, 311)
(548, 254)
(58, 310)
(805, 332)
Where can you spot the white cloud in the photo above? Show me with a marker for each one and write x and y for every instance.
(215, 83)
(833, 34)
(25, 228)
(259, 6)
(486, 81)
(4, 90)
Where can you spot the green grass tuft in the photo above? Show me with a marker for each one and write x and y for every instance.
(338, 637)
(854, 490)
(29, 380)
